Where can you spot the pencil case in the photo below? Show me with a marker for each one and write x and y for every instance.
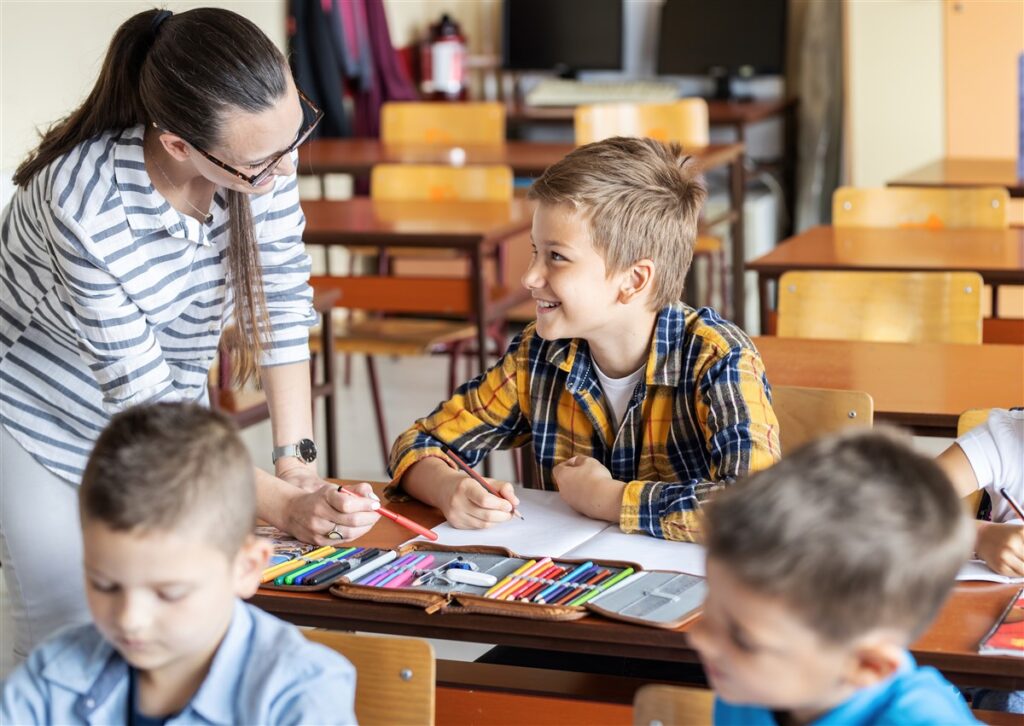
(649, 597)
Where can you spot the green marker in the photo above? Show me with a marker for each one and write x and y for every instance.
(587, 596)
(289, 578)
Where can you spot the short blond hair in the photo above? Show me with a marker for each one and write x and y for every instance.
(641, 198)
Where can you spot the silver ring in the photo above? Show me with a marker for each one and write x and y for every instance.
(334, 533)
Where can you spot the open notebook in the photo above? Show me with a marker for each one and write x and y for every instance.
(551, 527)
(978, 570)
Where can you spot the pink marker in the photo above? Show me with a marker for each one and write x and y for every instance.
(421, 564)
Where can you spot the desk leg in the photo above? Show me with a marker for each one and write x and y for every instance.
(330, 409)
(763, 302)
(737, 185)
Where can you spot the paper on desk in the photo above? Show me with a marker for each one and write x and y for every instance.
(649, 552)
(978, 570)
(553, 528)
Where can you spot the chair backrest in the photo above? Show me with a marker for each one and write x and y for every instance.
(807, 413)
(979, 207)
(684, 121)
(429, 182)
(967, 421)
(395, 677)
(660, 705)
(442, 123)
(905, 307)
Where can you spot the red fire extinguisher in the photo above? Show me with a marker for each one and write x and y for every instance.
(443, 61)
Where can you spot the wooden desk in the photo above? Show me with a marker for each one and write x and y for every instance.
(527, 158)
(474, 229)
(950, 644)
(997, 254)
(965, 173)
(924, 386)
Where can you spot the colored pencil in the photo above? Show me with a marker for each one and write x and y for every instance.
(601, 588)
(508, 578)
(548, 575)
(573, 594)
(523, 582)
(396, 517)
(567, 584)
(467, 469)
(568, 578)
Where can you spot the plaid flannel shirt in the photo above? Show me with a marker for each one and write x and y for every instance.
(701, 418)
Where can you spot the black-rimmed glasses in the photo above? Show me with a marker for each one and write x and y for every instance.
(311, 117)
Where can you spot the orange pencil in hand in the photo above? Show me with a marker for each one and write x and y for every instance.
(473, 475)
(396, 517)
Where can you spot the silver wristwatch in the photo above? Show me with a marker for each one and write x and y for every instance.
(305, 450)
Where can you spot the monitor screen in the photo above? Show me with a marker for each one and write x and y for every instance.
(722, 37)
(566, 35)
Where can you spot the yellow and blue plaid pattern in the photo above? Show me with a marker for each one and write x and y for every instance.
(701, 418)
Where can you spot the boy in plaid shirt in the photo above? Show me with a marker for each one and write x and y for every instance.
(638, 407)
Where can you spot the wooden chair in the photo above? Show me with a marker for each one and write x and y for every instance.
(968, 420)
(395, 677)
(427, 182)
(661, 705)
(684, 122)
(248, 406)
(443, 123)
(980, 208)
(921, 307)
(806, 413)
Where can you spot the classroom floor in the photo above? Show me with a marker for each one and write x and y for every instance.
(412, 387)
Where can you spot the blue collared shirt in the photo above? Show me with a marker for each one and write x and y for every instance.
(264, 672)
(913, 696)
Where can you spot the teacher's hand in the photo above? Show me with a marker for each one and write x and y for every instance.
(325, 516)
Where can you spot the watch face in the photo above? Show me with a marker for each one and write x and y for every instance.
(307, 450)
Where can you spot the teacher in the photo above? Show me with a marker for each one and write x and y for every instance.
(161, 210)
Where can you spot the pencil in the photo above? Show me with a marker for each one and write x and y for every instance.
(508, 578)
(602, 587)
(467, 469)
(1012, 502)
(573, 594)
(396, 517)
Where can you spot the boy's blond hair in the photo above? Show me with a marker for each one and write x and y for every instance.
(641, 198)
(853, 532)
(171, 467)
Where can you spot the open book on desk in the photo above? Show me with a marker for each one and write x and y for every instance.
(553, 528)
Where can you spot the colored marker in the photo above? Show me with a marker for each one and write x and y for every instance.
(467, 469)
(601, 588)
(339, 568)
(568, 578)
(271, 572)
(568, 584)
(508, 578)
(398, 571)
(573, 594)
(523, 580)
(407, 575)
(351, 553)
(372, 578)
(293, 577)
(546, 578)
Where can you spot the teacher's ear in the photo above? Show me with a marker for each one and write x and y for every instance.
(174, 145)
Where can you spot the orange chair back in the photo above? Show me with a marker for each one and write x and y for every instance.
(443, 123)
(684, 121)
(435, 183)
(979, 208)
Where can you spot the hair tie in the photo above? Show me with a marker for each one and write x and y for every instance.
(158, 19)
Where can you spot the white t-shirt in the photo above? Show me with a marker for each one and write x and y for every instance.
(618, 392)
(996, 452)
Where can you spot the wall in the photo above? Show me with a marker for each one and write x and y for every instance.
(480, 21)
(895, 88)
(50, 55)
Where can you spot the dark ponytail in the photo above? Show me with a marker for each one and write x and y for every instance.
(185, 72)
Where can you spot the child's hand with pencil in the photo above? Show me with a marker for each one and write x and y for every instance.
(1002, 547)
(587, 486)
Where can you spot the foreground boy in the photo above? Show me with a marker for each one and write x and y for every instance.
(821, 571)
(638, 407)
(167, 508)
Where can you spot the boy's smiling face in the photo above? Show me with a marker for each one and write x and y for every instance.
(164, 599)
(576, 297)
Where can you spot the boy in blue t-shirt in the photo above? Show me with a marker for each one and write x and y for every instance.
(168, 506)
(821, 571)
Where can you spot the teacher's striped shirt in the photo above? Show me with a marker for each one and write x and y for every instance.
(109, 297)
